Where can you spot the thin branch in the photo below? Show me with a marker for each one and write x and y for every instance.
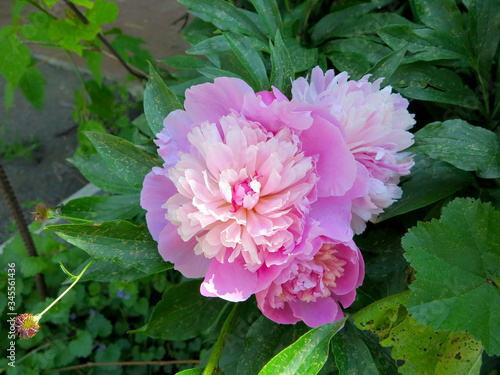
(133, 363)
(136, 72)
(17, 213)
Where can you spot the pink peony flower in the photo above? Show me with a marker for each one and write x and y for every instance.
(243, 174)
(319, 274)
(375, 122)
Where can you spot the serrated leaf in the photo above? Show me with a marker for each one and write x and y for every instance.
(457, 260)
(282, 72)
(467, 147)
(127, 244)
(102, 208)
(269, 14)
(430, 181)
(224, 15)
(183, 313)
(159, 101)
(307, 355)
(15, 56)
(427, 351)
(424, 350)
(32, 85)
(250, 59)
(97, 172)
(128, 162)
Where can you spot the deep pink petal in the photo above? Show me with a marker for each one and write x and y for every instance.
(229, 281)
(173, 249)
(334, 215)
(211, 101)
(323, 311)
(173, 137)
(336, 165)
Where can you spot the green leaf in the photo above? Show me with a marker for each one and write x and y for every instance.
(102, 12)
(250, 59)
(269, 14)
(366, 24)
(183, 313)
(122, 157)
(127, 244)
(307, 355)
(224, 15)
(33, 265)
(429, 181)
(94, 61)
(386, 67)
(85, 3)
(68, 33)
(159, 101)
(457, 260)
(102, 208)
(427, 351)
(304, 59)
(15, 57)
(33, 87)
(355, 354)
(97, 172)
(425, 44)
(371, 51)
(213, 73)
(219, 44)
(191, 371)
(9, 95)
(261, 348)
(422, 349)
(354, 63)
(467, 147)
(82, 346)
(187, 62)
(50, 3)
(426, 82)
(484, 33)
(105, 272)
(282, 72)
(329, 25)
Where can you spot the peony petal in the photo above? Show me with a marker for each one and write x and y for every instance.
(323, 311)
(229, 281)
(336, 164)
(156, 190)
(211, 101)
(173, 249)
(334, 214)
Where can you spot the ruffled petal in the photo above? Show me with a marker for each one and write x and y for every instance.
(323, 311)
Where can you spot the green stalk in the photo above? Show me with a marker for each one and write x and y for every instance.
(37, 317)
(213, 361)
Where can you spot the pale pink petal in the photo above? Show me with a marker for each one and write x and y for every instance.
(174, 250)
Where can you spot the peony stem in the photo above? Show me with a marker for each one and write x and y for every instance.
(219, 345)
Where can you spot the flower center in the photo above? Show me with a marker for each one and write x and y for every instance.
(333, 266)
(246, 193)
